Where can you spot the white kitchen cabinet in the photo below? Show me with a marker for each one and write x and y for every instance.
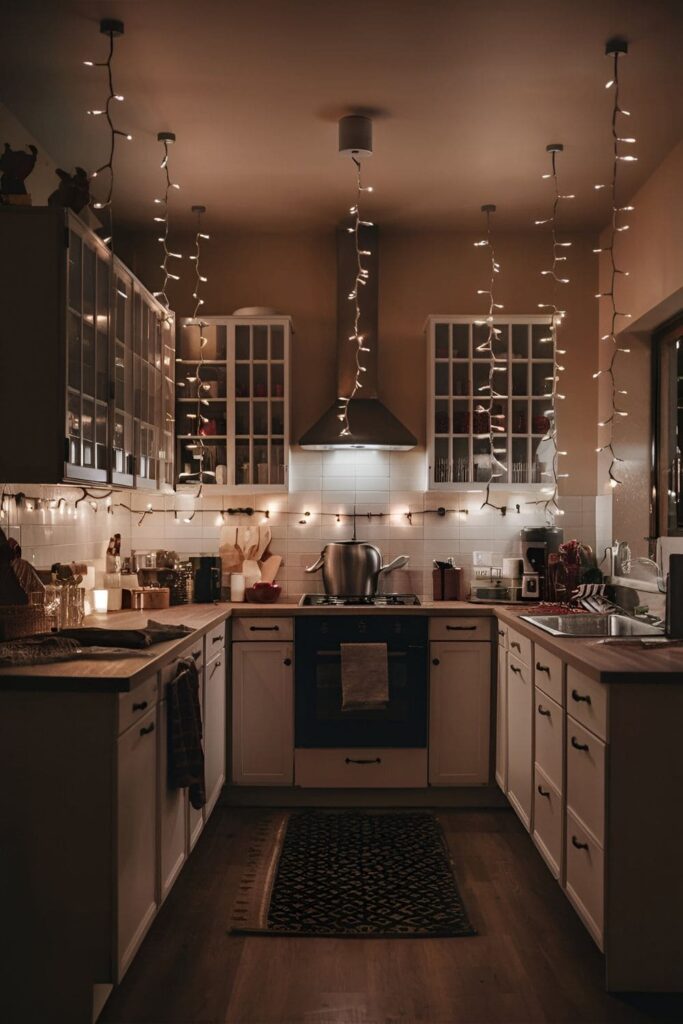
(502, 713)
(519, 737)
(214, 730)
(459, 716)
(136, 860)
(262, 714)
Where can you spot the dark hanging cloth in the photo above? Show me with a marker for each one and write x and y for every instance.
(153, 633)
(185, 752)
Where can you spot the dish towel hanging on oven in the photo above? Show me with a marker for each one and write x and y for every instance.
(364, 677)
(185, 752)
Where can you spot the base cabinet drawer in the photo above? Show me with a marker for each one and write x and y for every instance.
(520, 646)
(549, 728)
(464, 627)
(587, 701)
(585, 884)
(361, 768)
(549, 673)
(261, 627)
(586, 778)
(548, 816)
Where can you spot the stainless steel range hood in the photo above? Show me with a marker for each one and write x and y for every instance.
(372, 424)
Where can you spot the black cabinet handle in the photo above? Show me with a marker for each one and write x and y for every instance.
(513, 643)
(513, 668)
(369, 760)
(196, 654)
(215, 668)
(578, 845)
(216, 639)
(501, 632)
(577, 745)
(147, 729)
(435, 661)
(287, 661)
(543, 792)
(140, 706)
(455, 629)
(544, 711)
(264, 629)
(579, 697)
(542, 668)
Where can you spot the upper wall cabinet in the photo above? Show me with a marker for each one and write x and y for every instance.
(457, 373)
(86, 354)
(233, 407)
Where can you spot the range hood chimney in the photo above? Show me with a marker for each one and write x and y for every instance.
(372, 425)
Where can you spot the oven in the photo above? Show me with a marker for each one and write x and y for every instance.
(319, 718)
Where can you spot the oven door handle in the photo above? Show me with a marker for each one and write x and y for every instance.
(337, 654)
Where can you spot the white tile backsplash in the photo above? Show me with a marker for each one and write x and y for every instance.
(320, 482)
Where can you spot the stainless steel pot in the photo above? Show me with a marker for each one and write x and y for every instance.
(351, 568)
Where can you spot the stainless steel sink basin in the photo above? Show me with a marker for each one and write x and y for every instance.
(611, 624)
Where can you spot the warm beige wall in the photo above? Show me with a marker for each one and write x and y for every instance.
(420, 273)
(652, 252)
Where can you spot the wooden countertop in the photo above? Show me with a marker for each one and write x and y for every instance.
(608, 663)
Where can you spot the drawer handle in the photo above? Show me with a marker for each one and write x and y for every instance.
(287, 661)
(543, 792)
(513, 643)
(544, 711)
(513, 668)
(577, 745)
(216, 666)
(578, 845)
(579, 696)
(542, 668)
(501, 632)
(454, 629)
(216, 639)
(140, 706)
(264, 629)
(197, 654)
(435, 661)
(147, 729)
(361, 760)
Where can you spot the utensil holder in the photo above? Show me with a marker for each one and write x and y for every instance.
(447, 584)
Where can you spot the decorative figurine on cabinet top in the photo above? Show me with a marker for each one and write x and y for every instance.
(15, 167)
(73, 191)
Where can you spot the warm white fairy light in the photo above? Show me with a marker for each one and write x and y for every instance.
(497, 364)
(112, 28)
(194, 379)
(614, 48)
(556, 315)
(162, 218)
(361, 279)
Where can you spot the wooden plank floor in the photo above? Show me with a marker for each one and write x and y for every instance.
(532, 960)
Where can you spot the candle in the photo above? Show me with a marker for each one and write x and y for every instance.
(101, 599)
(237, 586)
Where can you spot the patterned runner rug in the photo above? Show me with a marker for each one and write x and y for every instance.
(350, 873)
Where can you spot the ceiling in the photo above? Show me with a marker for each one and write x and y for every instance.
(466, 95)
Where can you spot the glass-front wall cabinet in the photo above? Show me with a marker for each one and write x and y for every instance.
(232, 407)
(458, 378)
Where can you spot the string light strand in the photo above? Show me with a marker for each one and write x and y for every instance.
(162, 218)
(195, 379)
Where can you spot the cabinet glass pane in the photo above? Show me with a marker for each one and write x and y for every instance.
(500, 341)
(461, 460)
(73, 426)
(242, 380)
(277, 462)
(260, 379)
(74, 350)
(88, 432)
(441, 419)
(480, 422)
(277, 417)
(541, 378)
(277, 344)
(520, 377)
(443, 470)
(519, 463)
(277, 380)
(520, 341)
(74, 271)
(461, 341)
(520, 416)
(242, 418)
(481, 459)
(500, 419)
(539, 418)
(461, 417)
(461, 379)
(101, 435)
(480, 333)
(260, 421)
(242, 347)
(441, 378)
(480, 373)
(502, 442)
(441, 346)
(242, 463)
(260, 342)
(541, 341)
(102, 357)
(216, 423)
(103, 296)
(89, 279)
(260, 463)
(541, 460)
(89, 373)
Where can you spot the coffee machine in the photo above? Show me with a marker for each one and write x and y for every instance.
(538, 542)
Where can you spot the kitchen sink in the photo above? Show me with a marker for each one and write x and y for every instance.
(611, 624)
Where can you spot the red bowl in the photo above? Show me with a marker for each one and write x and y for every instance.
(263, 595)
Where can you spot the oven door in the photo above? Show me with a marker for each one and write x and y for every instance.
(320, 720)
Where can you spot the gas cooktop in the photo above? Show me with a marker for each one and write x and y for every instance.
(377, 601)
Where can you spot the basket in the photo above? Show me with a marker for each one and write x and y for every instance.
(18, 620)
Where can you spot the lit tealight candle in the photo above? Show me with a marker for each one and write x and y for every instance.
(101, 599)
